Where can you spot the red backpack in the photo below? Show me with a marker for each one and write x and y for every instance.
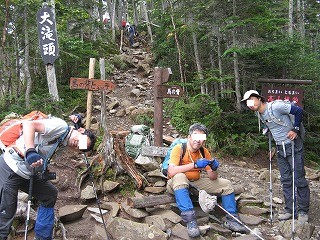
(11, 130)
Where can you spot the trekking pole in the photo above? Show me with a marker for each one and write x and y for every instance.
(233, 217)
(293, 188)
(270, 173)
(29, 203)
(95, 193)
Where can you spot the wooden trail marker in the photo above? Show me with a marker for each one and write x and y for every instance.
(90, 84)
(161, 76)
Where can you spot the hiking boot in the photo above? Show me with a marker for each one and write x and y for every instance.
(207, 202)
(190, 218)
(193, 229)
(303, 217)
(284, 216)
(234, 225)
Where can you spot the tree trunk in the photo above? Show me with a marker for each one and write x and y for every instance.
(215, 83)
(300, 18)
(26, 71)
(177, 43)
(219, 52)
(144, 7)
(290, 27)
(236, 64)
(197, 58)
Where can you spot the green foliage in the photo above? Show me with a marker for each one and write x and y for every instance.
(200, 108)
(144, 119)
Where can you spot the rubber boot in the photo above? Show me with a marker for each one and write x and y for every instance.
(44, 223)
(187, 212)
(230, 205)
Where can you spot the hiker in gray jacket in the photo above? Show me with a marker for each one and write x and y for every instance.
(25, 159)
(277, 117)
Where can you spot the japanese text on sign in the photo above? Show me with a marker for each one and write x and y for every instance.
(173, 91)
(166, 91)
(91, 84)
(283, 93)
(47, 34)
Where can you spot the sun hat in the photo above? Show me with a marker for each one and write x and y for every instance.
(207, 202)
(250, 93)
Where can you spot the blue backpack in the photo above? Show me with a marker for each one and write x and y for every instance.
(165, 163)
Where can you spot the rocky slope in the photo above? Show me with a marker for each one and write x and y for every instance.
(133, 96)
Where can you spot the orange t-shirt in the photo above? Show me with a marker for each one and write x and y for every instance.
(188, 157)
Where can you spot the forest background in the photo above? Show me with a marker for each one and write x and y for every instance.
(216, 50)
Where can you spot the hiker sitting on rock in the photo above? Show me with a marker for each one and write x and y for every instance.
(25, 160)
(184, 170)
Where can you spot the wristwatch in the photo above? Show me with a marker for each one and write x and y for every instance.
(296, 129)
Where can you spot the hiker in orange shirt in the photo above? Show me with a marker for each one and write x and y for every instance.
(188, 169)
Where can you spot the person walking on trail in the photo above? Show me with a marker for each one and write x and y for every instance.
(285, 136)
(182, 171)
(131, 32)
(18, 162)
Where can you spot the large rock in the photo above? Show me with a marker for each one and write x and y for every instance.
(71, 212)
(121, 228)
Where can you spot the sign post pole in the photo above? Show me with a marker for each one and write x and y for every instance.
(162, 91)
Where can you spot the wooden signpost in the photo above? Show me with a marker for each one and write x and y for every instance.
(162, 91)
(90, 84)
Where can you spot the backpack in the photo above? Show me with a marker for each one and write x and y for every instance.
(183, 141)
(11, 129)
(139, 135)
(292, 118)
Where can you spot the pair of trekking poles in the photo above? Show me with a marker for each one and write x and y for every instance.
(293, 183)
(30, 198)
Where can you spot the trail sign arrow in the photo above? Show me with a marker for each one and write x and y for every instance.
(91, 84)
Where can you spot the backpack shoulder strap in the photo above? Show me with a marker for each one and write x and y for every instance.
(184, 149)
(273, 118)
(54, 148)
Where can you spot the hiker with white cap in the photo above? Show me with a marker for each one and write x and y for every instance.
(183, 170)
(276, 116)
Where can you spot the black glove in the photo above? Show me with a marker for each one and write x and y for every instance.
(214, 165)
(78, 124)
(32, 156)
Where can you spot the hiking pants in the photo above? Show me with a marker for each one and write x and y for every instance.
(10, 183)
(219, 187)
(284, 158)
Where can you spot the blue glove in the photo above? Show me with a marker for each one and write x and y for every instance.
(214, 164)
(201, 163)
(32, 156)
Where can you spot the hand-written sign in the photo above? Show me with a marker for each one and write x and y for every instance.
(272, 93)
(47, 34)
(166, 91)
(91, 84)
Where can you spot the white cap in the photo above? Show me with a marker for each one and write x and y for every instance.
(250, 93)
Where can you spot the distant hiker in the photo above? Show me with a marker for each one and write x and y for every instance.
(132, 33)
(123, 23)
(185, 169)
(27, 156)
(276, 116)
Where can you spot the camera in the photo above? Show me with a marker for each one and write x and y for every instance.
(47, 175)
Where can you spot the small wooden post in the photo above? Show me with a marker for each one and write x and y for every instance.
(90, 93)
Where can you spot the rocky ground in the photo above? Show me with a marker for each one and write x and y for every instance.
(134, 95)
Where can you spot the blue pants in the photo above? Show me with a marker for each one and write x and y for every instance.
(10, 183)
(284, 157)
